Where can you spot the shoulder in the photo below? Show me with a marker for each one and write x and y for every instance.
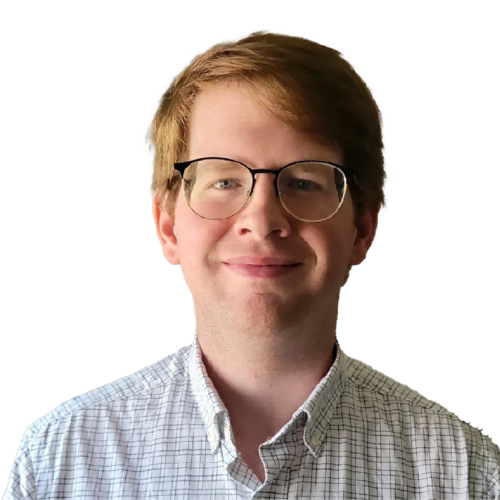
(393, 401)
(369, 381)
(372, 385)
(92, 432)
(152, 380)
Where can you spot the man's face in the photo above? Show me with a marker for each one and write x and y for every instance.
(226, 122)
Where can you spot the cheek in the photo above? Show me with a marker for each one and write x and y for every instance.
(198, 240)
(333, 252)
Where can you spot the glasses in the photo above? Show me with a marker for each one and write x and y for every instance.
(218, 188)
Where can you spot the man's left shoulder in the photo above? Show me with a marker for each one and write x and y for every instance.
(395, 395)
(373, 382)
(420, 431)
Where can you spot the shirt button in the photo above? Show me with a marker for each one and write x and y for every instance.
(314, 440)
(213, 438)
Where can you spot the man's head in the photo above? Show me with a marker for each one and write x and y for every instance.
(266, 101)
(302, 83)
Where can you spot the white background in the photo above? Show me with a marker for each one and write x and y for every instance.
(87, 297)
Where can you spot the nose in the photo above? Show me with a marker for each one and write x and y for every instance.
(263, 214)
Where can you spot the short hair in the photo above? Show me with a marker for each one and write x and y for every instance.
(303, 83)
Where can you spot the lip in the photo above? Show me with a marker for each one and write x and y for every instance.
(267, 271)
(256, 260)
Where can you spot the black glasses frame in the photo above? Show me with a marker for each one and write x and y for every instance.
(347, 171)
(183, 165)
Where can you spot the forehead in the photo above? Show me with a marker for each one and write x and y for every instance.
(226, 121)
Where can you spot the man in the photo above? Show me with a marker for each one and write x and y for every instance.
(267, 185)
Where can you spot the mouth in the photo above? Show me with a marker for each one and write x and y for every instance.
(262, 271)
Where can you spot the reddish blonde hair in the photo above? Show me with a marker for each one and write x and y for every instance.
(304, 84)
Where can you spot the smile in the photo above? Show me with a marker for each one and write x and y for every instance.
(268, 271)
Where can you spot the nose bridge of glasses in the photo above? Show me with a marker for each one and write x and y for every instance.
(264, 172)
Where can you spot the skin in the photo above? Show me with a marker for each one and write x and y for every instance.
(266, 343)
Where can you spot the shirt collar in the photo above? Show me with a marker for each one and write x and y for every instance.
(318, 408)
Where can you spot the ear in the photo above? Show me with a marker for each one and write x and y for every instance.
(165, 230)
(365, 230)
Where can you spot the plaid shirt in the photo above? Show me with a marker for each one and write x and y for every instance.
(164, 433)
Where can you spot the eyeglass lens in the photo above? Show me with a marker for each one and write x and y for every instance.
(217, 189)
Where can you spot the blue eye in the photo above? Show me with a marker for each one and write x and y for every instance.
(223, 188)
(304, 183)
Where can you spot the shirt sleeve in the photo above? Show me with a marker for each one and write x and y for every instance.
(494, 491)
(21, 483)
(483, 457)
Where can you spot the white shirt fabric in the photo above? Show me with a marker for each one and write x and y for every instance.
(164, 433)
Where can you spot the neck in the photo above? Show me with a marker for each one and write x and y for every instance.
(263, 377)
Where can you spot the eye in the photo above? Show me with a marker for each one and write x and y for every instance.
(304, 184)
(223, 184)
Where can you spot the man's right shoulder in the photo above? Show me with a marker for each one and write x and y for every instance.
(149, 382)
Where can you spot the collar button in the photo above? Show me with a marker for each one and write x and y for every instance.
(315, 440)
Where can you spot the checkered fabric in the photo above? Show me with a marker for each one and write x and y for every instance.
(164, 433)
